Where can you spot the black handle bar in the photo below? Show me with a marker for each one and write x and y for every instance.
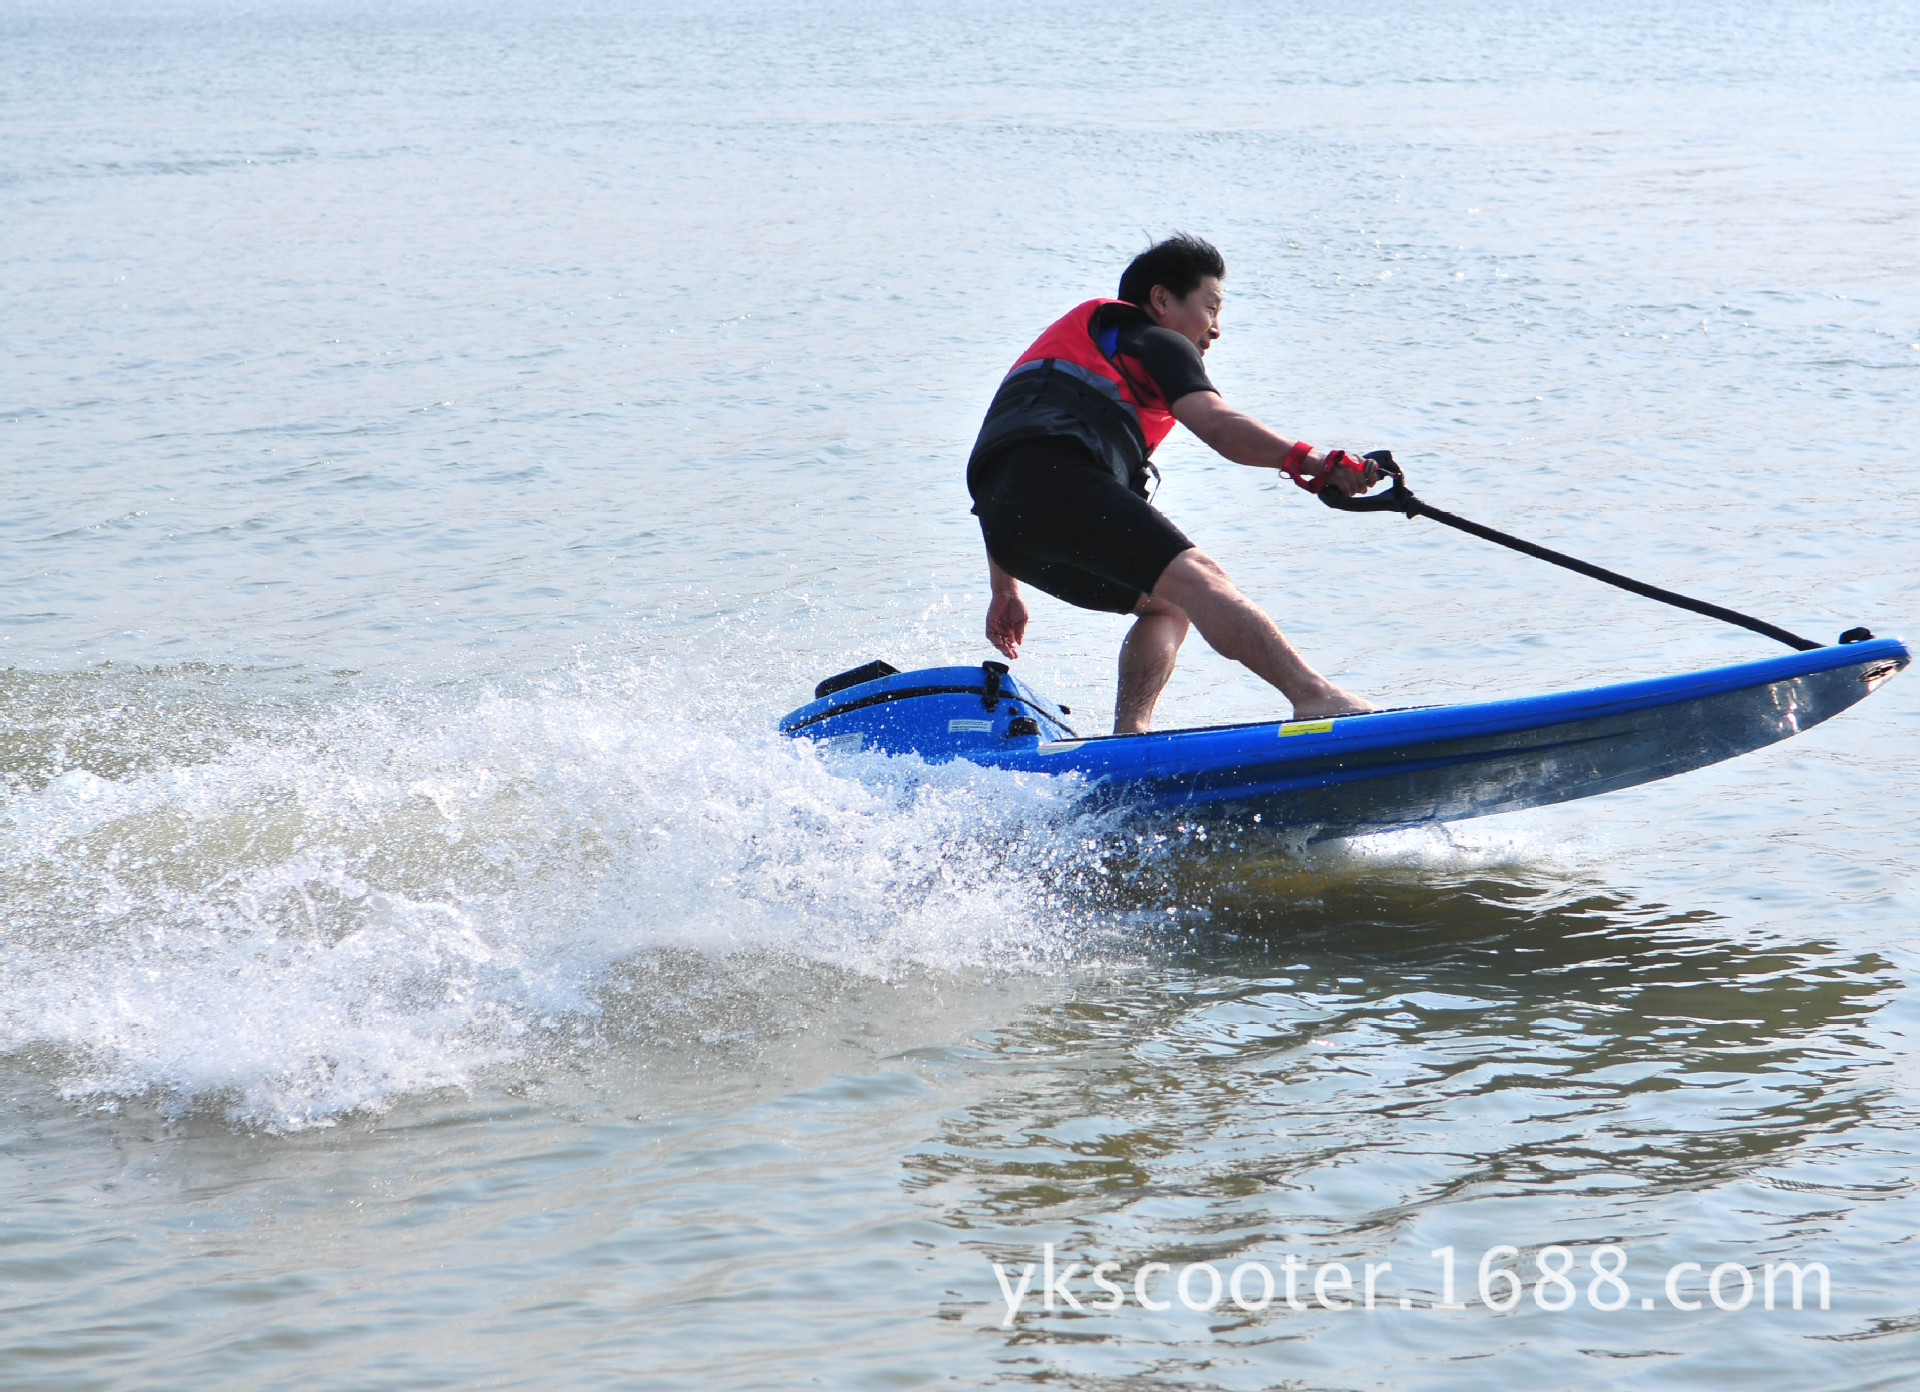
(1397, 499)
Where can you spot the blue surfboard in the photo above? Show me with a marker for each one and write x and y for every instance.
(1357, 774)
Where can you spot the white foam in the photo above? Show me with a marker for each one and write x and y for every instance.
(402, 892)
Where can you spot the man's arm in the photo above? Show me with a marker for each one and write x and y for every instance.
(1239, 437)
(1006, 612)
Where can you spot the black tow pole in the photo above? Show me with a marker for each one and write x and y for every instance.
(1400, 499)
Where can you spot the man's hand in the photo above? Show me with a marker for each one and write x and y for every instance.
(1006, 612)
(1007, 621)
(1350, 481)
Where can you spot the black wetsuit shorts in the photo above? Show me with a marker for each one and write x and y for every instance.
(1056, 518)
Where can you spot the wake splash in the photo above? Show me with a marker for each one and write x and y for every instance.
(387, 897)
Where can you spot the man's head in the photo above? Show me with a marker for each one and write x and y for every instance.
(1178, 282)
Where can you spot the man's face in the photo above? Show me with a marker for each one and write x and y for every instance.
(1194, 316)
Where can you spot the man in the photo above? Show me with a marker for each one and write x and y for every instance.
(1058, 478)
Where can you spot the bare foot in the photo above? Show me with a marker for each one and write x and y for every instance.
(1331, 700)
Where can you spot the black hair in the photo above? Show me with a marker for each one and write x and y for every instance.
(1178, 263)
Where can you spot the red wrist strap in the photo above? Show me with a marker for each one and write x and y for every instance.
(1295, 458)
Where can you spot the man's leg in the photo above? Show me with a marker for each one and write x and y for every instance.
(1235, 627)
(1146, 662)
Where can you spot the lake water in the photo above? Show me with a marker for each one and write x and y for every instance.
(439, 441)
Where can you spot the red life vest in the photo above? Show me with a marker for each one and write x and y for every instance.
(1067, 385)
(1070, 339)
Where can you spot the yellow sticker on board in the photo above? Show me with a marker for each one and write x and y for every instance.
(1305, 727)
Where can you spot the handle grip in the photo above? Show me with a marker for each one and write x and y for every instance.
(1397, 499)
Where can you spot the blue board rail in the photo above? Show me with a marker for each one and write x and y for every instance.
(1358, 774)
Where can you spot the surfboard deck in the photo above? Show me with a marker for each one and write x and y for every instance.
(1359, 774)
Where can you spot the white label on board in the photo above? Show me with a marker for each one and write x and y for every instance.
(977, 727)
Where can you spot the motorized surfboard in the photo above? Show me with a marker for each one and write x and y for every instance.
(1358, 774)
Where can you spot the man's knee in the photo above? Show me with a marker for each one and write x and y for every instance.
(1193, 577)
(1233, 625)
